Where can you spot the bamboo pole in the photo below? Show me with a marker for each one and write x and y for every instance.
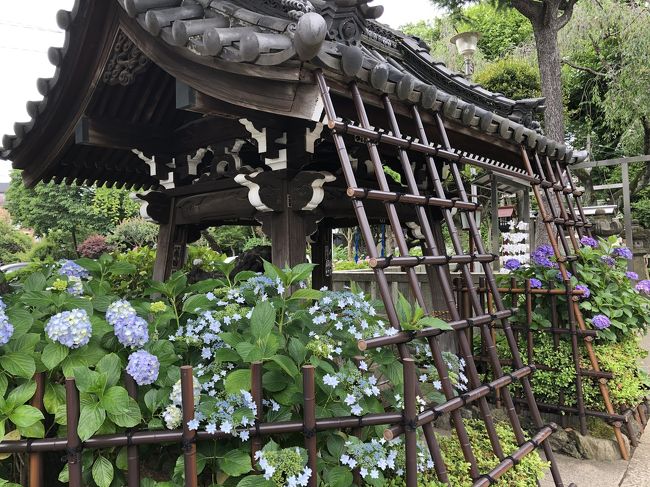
(36, 458)
(132, 455)
(74, 446)
(309, 418)
(189, 435)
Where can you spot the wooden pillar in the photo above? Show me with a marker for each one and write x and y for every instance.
(627, 211)
(288, 240)
(171, 247)
(495, 233)
(321, 255)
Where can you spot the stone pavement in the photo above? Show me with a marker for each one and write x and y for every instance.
(593, 473)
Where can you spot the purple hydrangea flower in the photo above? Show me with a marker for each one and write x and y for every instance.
(643, 287)
(633, 276)
(535, 283)
(130, 329)
(623, 253)
(70, 328)
(6, 328)
(589, 242)
(541, 256)
(608, 259)
(512, 264)
(601, 322)
(585, 291)
(558, 276)
(143, 367)
(72, 269)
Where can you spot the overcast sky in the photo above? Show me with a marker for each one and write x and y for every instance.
(28, 29)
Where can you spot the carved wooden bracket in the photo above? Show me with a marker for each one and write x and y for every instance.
(126, 62)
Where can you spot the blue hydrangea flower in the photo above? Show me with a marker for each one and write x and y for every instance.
(608, 259)
(643, 287)
(70, 328)
(143, 367)
(512, 264)
(70, 268)
(633, 276)
(589, 242)
(130, 329)
(535, 283)
(585, 290)
(6, 328)
(542, 256)
(601, 322)
(623, 253)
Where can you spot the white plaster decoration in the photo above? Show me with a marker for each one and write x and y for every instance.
(151, 162)
(253, 191)
(318, 193)
(311, 136)
(279, 162)
(259, 136)
(194, 161)
(169, 183)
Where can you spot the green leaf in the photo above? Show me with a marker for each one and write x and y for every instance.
(196, 303)
(255, 481)
(432, 322)
(4, 383)
(338, 477)
(36, 430)
(53, 354)
(35, 282)
(90, 381)
(122, 268)
(115, 399)
(25, 415)
(128, 416)
(103, 472)
(262, 320)
(165, 352)
(18, 364)
(301, 272)
(297, 350)
(226, 355)
(21, 394)
(91, 418)
(236, 463)
(237, 381)
(89, 264)
(404, 310)
(274, 381)
(21, 319)
(111, 366)
(307, 294)
(54, 397)
(286, 364)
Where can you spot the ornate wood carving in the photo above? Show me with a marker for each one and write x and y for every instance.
(126, 62)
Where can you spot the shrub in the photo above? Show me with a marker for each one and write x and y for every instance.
(515, 78)
(134, 233)
(220, 327)
(56, 245)
(93, 247)
(13, 244)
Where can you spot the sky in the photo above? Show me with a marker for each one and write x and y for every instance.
(28, 29)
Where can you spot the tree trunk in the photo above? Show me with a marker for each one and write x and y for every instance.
(548, 56)
(645, 121)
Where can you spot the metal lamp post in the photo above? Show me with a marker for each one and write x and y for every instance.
(466, 44)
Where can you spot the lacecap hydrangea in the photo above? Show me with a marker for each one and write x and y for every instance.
(70, 328)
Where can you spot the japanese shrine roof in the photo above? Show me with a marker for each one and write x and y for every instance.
(216, 47)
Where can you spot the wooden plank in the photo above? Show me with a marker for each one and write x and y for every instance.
(116, 134)
(610, 162)
(627, 211)
(602, 187)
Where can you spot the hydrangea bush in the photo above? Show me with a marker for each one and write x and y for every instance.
(614, 302)
(100, 336)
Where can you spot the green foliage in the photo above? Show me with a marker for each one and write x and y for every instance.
(55, 245)
(114, 205)
(233, 239)
(515, 78)
(502, 29)
(13, 243)
(641, 212)
(134, 233)
(78, 211)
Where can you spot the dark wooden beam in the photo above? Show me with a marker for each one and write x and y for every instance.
(116, 134)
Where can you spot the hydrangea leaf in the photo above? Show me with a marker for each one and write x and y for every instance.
(262, 320)
(91, 418)
(236, 463)
(53, 354)
(103, 472)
